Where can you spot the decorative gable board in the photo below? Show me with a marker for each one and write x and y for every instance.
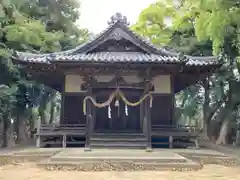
(117, 34)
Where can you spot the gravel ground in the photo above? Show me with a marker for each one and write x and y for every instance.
(29, 171)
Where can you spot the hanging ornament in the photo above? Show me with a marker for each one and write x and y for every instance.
(151, 103)
(117, 103)
(109, 112)
(126, 109)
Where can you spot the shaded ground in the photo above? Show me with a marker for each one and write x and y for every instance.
(29, 171)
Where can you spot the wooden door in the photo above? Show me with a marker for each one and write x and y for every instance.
(121, 118)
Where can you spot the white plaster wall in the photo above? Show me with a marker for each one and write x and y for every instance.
(73, 83)
(162, 84)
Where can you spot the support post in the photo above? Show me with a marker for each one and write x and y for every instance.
(38, 140)
(62, 117)
(148, 125)
(89, 120)
(64, 141)
(196, 141)
(142, 116)
(93, 116)
(147, 113)
(170, 142)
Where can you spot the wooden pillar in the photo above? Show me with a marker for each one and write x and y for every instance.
(62, 118)
(62, 110)
(170, 141)
(38, 140)
(142, 106)
(64, 141)
(173, 115)
(147, 119)
(148, 124)
(93, 115)
(89, 120)
(196, 141)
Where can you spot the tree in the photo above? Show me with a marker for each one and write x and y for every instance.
(33, 26)
(201, 28)
(218, 21)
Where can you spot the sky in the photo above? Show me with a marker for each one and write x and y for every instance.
(96, 13)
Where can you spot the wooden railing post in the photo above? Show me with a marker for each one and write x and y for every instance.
(64, 141)
(38, 137)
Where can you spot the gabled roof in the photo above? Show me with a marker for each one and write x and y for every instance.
(118, 30)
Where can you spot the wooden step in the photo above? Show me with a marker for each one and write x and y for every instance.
(110, 139)
(128, 135)
(118, 145)
(118, 140)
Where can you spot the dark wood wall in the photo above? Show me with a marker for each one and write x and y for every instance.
(73, 109)
(162, 110)
(119, 119)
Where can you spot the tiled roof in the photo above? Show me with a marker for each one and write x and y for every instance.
(118, 27)
(131, 57)
(201, 61)
(117, 57)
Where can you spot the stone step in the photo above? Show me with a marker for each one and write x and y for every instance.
(34, 154)
(118, 165)
(210, 158)
(151, 160)
(206, 156)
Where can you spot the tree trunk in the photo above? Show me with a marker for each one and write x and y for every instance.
(226, 116)
(10, 136)
(223, 133)
(1, 133)
(52, 112)
(43, 113)
(5, 130)
(206, 119)
(22, 130)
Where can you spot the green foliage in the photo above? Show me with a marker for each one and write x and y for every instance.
(152, 23)
(32, 33)
(198, 28)
(37, 26)
(215, 20)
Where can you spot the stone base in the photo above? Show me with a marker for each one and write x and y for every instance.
(210, 158)
(88, 149)
(32, 155)
(149, 149)
(118, 160)
(117, 166)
